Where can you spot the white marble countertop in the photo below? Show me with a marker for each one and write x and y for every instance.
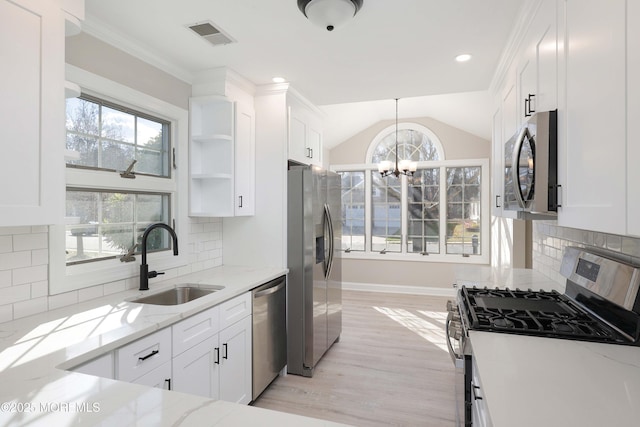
(35, 351)
(535, 381)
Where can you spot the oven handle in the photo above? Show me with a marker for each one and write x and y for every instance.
(454, 357)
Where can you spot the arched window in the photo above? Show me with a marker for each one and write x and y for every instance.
(441, 211)
(415, 142)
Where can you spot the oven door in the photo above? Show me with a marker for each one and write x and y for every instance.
(463, 365)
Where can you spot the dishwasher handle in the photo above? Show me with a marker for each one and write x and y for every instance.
(269, 291)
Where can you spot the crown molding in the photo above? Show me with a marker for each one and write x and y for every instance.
(94, 27)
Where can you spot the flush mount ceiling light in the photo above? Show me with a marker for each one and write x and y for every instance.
(463, 58)
(402, 167)
(329, 14)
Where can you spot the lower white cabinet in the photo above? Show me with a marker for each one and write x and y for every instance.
(235, 362)
(197, 370)
(100, 366)
(479, 411)
(159, 377)
(219, 366)
(207, 354)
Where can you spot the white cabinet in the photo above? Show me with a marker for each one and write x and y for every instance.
(102, 366)
(221, 157)
(592, 117)
(159, 377)
(633, 112)
(212, 352)
(143, 356)
(305, 131)
(479, 410)
(32, 112)
(235, 362)
(197, 370)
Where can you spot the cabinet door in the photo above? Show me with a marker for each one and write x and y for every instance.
(245, 160)
(144, 355)
(314, 146)
(592, 118)
(633, 112)
(297, 137)
(32, 112)
(196, 371)
(235, 372)
(101, 366)
(159, 377)
(496, 164)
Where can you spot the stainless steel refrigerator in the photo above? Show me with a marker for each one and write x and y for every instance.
(314, 289)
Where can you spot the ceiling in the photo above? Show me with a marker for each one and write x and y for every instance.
(390, 49)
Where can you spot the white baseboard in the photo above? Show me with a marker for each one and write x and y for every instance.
(399, 289)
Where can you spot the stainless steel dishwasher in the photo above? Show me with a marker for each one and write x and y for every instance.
(269, 332)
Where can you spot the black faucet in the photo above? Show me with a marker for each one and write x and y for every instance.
(145, 274)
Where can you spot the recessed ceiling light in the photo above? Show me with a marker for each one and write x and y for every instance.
(463, 58)
(278, 80)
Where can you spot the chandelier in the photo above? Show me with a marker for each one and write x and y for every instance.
(404, 167)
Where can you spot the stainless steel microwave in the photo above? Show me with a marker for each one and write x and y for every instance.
(531, 168)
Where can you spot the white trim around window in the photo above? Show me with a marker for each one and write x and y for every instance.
(63, 278)
(485, 255)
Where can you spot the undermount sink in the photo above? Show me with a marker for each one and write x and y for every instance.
(179, 295)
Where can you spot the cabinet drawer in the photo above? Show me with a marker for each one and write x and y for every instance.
(142, 356)
(235, 309)
(195, 329)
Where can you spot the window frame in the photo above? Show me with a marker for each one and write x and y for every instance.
(443, 257)
(63, 278)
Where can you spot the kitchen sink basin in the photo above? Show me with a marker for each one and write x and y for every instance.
(179, 295)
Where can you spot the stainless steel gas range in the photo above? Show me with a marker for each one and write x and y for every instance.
(600, 304)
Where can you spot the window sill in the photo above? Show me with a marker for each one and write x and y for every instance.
(457, 259)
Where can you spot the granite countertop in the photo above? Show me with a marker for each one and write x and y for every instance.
(536, 381)
(36, 351)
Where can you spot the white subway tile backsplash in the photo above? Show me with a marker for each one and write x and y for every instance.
(13, 260)
(40, 257)
(30, 307)
(15, 293)
(30, 274)
(5, 278)
(25, 242)
(6, 244)
(63, 300)
(40, 289)
(90, 293)
(6, 313)
(8, 231)
(24, 265)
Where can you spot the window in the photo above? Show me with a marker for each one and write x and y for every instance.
(353, 211)
(108, 139)
(111, 137)
(436, 214)
(108, 128)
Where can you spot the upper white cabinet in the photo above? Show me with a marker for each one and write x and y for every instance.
(305, 131)
(529, 84)
(538, 64)
(32, 112)
(221, 153)
(633, 112)
(592, 115)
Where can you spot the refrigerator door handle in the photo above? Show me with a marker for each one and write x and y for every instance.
(327, 214)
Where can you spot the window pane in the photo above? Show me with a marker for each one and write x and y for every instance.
(386, 224)
(412, 145)
(108, 138)
(353, 211)
(463, 210)
(103, 224)
(423, 211)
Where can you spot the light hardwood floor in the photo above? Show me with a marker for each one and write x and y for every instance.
(390, 367)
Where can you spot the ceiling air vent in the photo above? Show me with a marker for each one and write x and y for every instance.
(210, 33)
